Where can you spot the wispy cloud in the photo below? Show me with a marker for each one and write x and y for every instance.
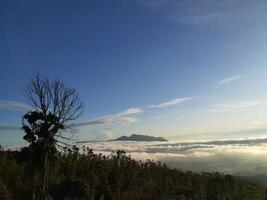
(126, 116)
(171, 103)
(201, 12)
(14, 105)
(206, 11)
(154, 4)
(230, 79)
(235, 106)
(8, 128)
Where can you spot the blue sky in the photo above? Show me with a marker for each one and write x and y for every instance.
(178, 69)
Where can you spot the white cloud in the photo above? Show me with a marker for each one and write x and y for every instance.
(107, 134)
(235, 106)
(14, 105)
(171, 103)
(130, 111)
(230, 79)
(126, 116)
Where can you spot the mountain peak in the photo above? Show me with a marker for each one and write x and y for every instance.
(136, 137)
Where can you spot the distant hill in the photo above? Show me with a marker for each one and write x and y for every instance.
(136, 137)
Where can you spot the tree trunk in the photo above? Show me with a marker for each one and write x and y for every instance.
(44, 186)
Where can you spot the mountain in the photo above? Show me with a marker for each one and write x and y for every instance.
(136, 137)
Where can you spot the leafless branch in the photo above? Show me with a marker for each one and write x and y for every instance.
(55, 98)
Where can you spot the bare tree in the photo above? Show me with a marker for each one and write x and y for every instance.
(53, 106)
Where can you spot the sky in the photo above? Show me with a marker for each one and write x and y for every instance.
(180, 69)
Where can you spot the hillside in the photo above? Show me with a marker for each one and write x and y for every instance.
(136, 137)
(116, 177)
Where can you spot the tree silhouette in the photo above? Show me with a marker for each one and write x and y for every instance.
(53, 106)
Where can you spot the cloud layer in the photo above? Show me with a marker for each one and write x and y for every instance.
(242, 156)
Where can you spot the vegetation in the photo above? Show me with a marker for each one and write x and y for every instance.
(51, 169)
(85, 175)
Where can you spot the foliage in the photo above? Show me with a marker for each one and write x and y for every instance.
(85, 175)
(52, 105)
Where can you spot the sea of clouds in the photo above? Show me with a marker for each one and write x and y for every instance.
(241, 156)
